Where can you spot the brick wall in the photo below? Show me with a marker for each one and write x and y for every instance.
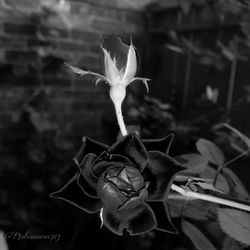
(34, 43)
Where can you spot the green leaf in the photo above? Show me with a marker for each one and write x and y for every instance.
(231, 244)
(199, 210)
(207, 186)
(235, 184)
(41, 121)
(200, 241)
(228, 54)
(235, 223)
(229, 7)
(175, 207)
(195, 163)
(221, 183)
(193, 209)
(211, 151)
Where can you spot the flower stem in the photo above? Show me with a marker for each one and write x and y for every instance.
(210, 198)
(179, 197)
(118, 111)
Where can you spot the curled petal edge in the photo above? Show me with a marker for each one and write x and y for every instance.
(133, 220)
(73, 194)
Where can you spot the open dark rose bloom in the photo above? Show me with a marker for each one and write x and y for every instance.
(127, 183)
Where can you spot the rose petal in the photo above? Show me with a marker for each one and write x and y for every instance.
(106, 160)
(159, 173)
(110, 194)
(111, 71)
(132, 176)
(143, 221)
(163, 219)
(162, 145)
(89, 146)
(137, 220)
(134, 201)
(117, 49)
(86, 179)
(131, 147)
(113, 221)
(73, 194)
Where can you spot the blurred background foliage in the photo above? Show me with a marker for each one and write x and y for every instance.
(200, 59)
(195, 52)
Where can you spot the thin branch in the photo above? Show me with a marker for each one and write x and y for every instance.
(209, 198)
(231, 85)
(229, 162)
(235, 158)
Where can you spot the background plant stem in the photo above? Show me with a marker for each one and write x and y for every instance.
(210, 198)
